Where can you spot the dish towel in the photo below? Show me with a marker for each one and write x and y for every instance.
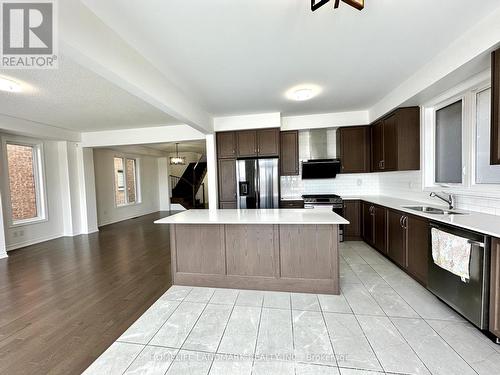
(451, 253)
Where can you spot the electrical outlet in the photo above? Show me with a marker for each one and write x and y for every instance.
(21, 233)
(14, 234)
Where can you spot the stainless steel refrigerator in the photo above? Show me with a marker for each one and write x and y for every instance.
(257, 183)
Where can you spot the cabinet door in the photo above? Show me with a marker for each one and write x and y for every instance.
(352, 213)
(228, 205)
(397, 237)
(495, 288)
(354, 150)
(227, 180)
(289, 153)
(268, 142)
(380, 229)
(292, 204)
(390, 160)
(495, 109)
(418, 247)
(377, 146)
(247, 143)
(226, 145)
(367, 224)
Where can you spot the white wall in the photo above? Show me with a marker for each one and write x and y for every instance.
(107, 212)
(20, 236)
(3, 248)
(256, 121)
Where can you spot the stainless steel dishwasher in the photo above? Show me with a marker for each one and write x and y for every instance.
(470, 298)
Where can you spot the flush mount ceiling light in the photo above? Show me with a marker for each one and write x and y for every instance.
(9, 85)
(303, 92)
(177, 160)
(358, 4)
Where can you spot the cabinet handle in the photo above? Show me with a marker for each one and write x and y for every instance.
(401, 222)
(405, 222)
(382, 163)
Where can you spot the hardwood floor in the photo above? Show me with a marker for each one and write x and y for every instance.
(63, 302)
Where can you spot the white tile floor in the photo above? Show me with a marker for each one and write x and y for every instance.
(383, 322)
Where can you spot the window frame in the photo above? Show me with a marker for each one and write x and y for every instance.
(467, 92)
(39, 179)
(138, 195)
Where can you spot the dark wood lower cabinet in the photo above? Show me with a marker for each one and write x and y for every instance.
(495, 288)
(380, 228)
(352, 213)
(405, 239)
(397, 237)
(418, 235)
(374, 226)
(367, 223)
(292, 204)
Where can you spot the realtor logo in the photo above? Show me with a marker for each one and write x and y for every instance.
(28, 34)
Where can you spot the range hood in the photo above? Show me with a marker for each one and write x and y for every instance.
(320, 164)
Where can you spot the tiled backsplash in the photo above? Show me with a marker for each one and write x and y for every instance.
(362, 184)
(405, 185)
(409, 185)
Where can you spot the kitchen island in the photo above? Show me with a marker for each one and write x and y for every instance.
(293, 250)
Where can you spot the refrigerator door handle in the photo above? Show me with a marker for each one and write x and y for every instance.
(257, 184)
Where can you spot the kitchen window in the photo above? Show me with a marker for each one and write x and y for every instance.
(456, 147)
(126, 181)
(448, 147)
(24, 181)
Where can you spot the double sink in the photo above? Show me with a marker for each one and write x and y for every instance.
(434, 211)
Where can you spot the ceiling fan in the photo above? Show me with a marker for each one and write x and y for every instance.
(358, 4)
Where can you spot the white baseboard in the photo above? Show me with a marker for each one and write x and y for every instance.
(128, 217)
(3, 255)
(177, 207)
(18, 245)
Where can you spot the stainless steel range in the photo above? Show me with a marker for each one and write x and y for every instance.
(330, 202)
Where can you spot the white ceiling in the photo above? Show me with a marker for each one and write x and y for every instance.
(239, 57)
(188, 146)
(75, 98)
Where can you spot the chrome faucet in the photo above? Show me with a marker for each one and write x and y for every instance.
(450, 200)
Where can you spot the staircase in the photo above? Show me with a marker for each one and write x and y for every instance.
(185, 188)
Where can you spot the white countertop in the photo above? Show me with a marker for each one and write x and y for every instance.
(475, 221)
(259, 216)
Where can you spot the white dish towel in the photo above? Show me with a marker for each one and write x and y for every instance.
(451, 253)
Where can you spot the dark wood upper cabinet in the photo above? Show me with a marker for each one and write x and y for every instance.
(397, 237)
(352, 213)
(390, 161)
(226, 145)
(246, 143)
(289, 153)
(495, 288)
(268, 142)
(396, 141)
(377, 138)
(495, 107)
(418, 247)
(227, 180)
(353, 149)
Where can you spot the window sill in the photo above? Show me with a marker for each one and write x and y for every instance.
(23, 223)
(128, 205)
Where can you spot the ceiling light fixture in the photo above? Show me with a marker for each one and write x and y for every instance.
(358, 4)
(177, 160)
(303, 92)
(9, 85)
